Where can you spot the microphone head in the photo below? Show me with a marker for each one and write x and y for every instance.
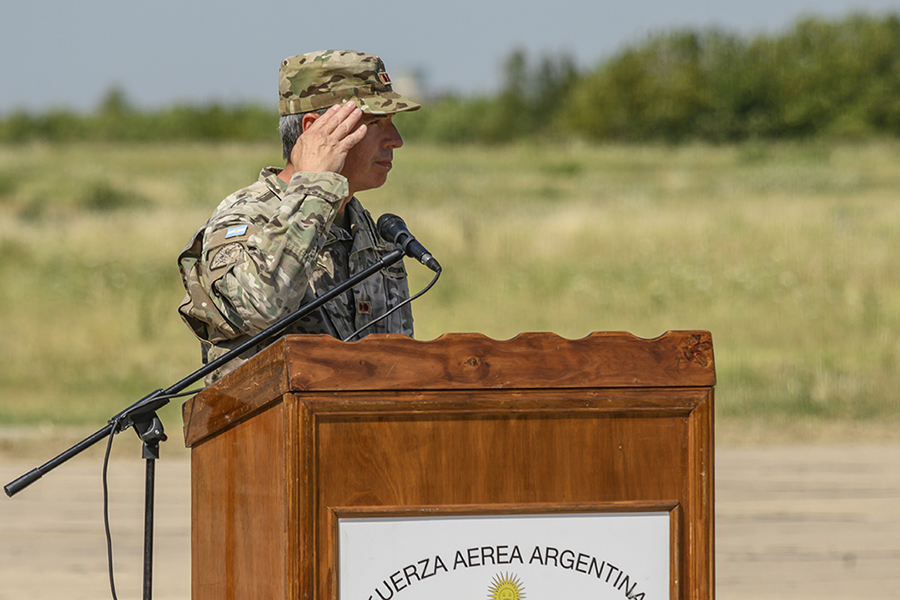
(390, 227)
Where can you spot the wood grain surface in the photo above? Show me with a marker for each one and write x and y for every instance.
(313, 426)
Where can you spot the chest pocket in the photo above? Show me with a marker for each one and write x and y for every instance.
(395, 271)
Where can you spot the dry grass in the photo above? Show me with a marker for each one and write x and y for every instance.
(786, 253)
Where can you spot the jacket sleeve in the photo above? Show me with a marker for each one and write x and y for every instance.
(258, 263)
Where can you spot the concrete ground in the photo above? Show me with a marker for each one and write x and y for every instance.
(801, 522)
(808, 522)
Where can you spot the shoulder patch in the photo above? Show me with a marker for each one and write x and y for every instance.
(236, 231)
(226, 255)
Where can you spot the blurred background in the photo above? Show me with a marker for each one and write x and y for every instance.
(662, 166)
(581, 166)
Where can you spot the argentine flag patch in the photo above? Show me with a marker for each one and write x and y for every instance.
(236, 231)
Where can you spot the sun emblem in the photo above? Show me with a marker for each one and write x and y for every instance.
(506, 587)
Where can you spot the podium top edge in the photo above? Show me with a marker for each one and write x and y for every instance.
(323, 366)
(530, 360)
(474, 360)
(594, 336)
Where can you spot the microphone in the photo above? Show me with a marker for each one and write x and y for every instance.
(392, 228)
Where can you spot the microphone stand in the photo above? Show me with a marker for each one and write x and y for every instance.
(142, 414)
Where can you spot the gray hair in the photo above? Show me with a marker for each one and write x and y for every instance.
(290, 127)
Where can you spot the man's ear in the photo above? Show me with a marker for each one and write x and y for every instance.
(309, 119)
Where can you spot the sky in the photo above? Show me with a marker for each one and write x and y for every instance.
(63, 54)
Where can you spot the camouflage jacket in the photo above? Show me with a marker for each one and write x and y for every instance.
(269, 249)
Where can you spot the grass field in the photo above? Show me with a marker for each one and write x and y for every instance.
(788, 254)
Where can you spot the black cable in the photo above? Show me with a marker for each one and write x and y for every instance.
(109, 550)
(437, 275)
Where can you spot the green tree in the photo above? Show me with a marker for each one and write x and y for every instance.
(657, 91)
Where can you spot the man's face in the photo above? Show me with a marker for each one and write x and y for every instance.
(369, 161)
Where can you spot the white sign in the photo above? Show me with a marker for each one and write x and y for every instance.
(597, 556)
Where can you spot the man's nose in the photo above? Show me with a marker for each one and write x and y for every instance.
(392, 137)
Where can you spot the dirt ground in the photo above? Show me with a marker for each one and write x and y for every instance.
(807, 521)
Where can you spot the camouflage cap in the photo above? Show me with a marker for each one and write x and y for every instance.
(322, 79)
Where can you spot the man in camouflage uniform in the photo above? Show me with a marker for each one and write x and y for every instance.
(275, 245)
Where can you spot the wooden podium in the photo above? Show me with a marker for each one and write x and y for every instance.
(312, 428)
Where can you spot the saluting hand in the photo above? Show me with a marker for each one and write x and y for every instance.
(327, 138)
